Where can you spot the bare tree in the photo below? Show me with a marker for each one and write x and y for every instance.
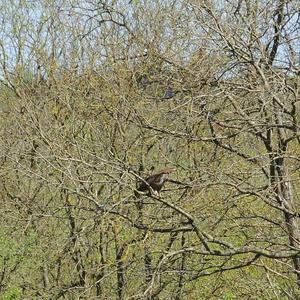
(97, 94)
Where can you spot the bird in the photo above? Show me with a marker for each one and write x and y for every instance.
(155, 181)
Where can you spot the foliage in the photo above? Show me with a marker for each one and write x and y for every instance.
(97, 94)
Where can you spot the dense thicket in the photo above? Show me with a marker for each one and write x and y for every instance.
(97, 94)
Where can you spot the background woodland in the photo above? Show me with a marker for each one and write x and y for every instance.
(97, 94)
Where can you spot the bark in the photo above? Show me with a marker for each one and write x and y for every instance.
(282, 187)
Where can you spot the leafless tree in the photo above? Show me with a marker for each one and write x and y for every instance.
(98, 93)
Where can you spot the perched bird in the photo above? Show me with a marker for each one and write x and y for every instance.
(155, 181)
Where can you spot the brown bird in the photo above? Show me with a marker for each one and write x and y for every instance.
(155, 181)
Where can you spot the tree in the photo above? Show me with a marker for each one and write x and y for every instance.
(103, 91)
